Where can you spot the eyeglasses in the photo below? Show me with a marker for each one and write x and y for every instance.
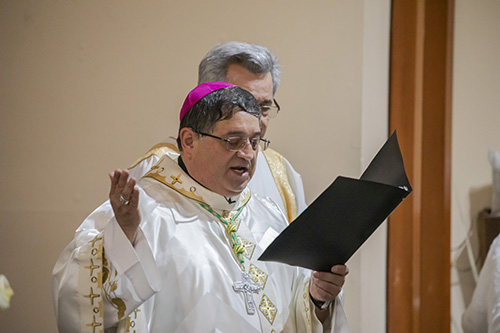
(237, 143)
(270, 111)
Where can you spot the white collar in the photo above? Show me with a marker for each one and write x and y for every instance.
(168, 172)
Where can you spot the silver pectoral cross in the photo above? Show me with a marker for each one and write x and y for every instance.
(247, 287)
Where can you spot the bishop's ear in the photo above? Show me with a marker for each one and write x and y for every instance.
(187, 138)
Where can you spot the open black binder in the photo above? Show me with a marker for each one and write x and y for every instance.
(342, 218)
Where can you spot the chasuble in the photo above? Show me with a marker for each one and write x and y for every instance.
(192, 268)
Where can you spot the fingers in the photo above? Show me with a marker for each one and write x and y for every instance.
(340, 270)
(121, 185)
(327, 280)
(115, 179)
(124, 199)
(337, 275)
(134, 197)
(325, 286)
(324, 291)
(128, 188)
(123, 195)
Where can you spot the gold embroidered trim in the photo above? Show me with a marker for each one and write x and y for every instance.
(248, 247)
(258, 276)
(95, 284)
(91, 285)
(277, 166)
(238, 220)
(157, 150)
(231, 229)
(155, 174)
(94, 324)
(130, 326)
(307, 303)
(110, 284)
(268, 309)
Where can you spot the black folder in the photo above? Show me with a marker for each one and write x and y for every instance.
(342, 218)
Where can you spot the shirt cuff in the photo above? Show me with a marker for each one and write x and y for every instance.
(322, 305)
(135, 261)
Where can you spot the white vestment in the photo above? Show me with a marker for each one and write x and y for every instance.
(274, 177)
(483, 314)
(184, 270)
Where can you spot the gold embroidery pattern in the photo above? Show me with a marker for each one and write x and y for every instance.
(131, 322)
(257, 275)
(100, 285)
(267, 308)
(155, 173)
(157, 150)
(109, 287)
(91, 267)
(277, 166)
(248, 247)
(94, 324)
(176, 179)
(238, 249)
(236, 223)
(95, 284)
(91, 296)
(307, 303)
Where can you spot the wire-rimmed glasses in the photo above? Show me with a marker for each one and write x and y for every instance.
(270, 111)
(237, 143)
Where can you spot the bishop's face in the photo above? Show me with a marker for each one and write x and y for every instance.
(218, 169)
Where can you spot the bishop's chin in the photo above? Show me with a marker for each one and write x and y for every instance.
(236, 189)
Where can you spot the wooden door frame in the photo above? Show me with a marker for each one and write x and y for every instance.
(418, 242)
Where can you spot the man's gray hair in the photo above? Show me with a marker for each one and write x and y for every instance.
(255, 58)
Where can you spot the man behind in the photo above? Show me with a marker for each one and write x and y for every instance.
(255, 69)
(173, 254)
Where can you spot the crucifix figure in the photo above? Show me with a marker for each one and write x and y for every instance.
(247, 287)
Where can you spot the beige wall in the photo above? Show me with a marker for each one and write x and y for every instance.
(476, 128)
(88, 86)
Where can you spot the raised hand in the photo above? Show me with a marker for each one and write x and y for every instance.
(124, 199)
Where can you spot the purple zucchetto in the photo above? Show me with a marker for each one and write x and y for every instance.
(199, 92)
